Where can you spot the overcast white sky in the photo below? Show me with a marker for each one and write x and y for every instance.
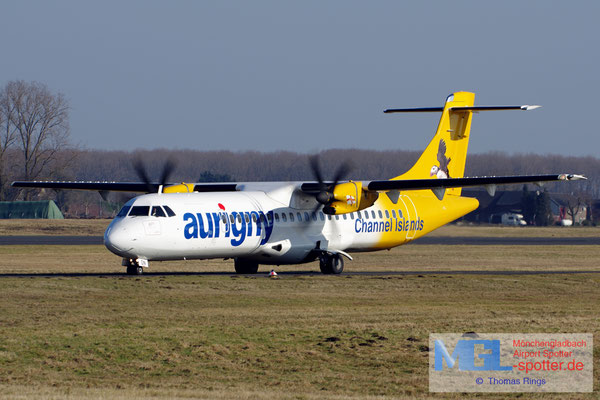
(310, 75)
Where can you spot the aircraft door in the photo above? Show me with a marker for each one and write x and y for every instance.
(410, 215)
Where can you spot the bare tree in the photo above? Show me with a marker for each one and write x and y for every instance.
(40, 121)
(575, 203)
(7, 139)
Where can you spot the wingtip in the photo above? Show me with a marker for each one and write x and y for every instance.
(572, 177)
(529, 108)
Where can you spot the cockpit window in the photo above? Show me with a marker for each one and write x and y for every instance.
(157, 212)
(138, 211)
(123, 211)
(170, 212)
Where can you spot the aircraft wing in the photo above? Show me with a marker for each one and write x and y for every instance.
(419, 184)
(122, 186)
(307, 187)
(439, 186)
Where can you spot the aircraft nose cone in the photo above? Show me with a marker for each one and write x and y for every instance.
(118, 240)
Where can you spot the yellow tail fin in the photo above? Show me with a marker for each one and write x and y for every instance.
(446, 154)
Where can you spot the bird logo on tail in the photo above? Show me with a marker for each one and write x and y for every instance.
(441, 171)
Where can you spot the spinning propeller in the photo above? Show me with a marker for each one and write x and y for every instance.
(140, 169)
(325, 195)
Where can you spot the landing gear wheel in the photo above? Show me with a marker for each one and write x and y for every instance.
(134, 270)
(331, 264)
(245, 266)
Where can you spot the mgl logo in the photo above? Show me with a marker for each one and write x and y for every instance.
(465, 351)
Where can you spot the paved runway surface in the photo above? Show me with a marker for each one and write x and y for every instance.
(296, 273)
(449, 240)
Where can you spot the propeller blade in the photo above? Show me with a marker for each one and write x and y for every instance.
(168, 169)
(316, 170)
(140, 170)
(342, 171)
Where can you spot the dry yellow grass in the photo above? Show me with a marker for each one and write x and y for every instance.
(302, 336)
(83, 227)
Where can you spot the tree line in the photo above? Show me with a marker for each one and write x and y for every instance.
(35, 145)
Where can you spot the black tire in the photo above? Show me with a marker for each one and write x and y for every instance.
(245, 266)
(325, 264)
(337, 264)
(331, 264)
(134, 270)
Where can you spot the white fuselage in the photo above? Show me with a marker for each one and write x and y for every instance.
(277, 227)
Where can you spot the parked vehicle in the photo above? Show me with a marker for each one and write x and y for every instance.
(513, 220)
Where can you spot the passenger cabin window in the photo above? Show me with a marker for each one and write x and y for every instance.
(351, 215)
(314, 216)
(345, 216)
(276, 217)
(270, 218)
(394, 213)
(373, 214)
(254, 219)
(247, 218)
(387, 214)
(321, 216)
(329, 217)
(139, 211)
(123, 211)
(306, 217)
(157, 212)
(380, 214)
(399, 213)
(337, 217)
(170, 212)
(299, 217)
(284, 217)
(291, 217)
(232, 218)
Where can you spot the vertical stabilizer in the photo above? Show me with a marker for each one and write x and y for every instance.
(446, 154)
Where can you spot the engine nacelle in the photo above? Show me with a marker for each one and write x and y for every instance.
(350, 197)
(181, 188)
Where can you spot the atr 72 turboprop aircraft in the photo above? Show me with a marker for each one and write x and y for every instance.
(297, 222)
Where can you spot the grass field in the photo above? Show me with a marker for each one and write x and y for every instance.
(103, 335)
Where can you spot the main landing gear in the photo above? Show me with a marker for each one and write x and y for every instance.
(331, 263)
(243, 266)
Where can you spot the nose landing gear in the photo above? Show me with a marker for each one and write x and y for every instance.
(135, 267)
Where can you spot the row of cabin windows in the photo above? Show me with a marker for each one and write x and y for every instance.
(284, 217)
(164, 211)
(139, 211)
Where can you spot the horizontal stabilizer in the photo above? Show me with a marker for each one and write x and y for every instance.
(459, 109)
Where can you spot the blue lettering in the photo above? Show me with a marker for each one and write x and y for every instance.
(238, 234)
(205, 233)
(465, 353)
(191, 229)
(217, 223)
(268, 222)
